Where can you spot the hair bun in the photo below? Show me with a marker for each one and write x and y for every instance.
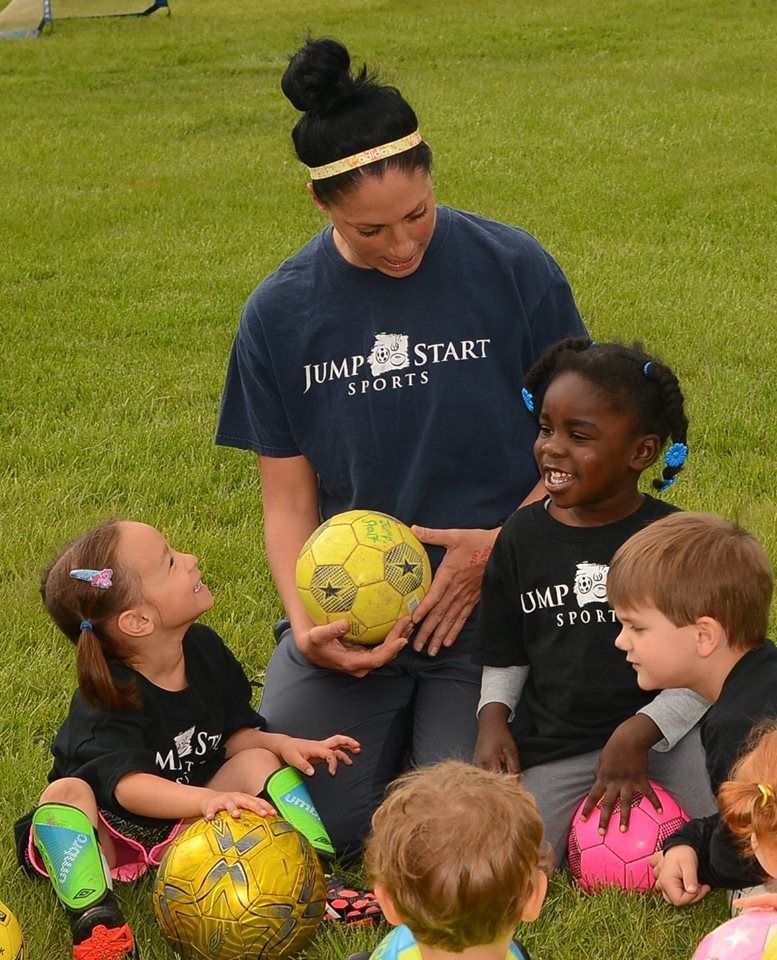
(318, 76)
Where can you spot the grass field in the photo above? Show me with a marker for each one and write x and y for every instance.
(149, 183)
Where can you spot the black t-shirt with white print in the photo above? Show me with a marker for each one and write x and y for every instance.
(178, 735)
(544, 605)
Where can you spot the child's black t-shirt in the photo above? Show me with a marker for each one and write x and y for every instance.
(749, 695)
(544, 605)
(178, 735)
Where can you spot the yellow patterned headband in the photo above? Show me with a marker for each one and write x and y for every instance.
(365, 157)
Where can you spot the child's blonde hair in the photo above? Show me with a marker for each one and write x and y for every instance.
(457, 849)
(748, 801)
(692, 565)
(84, 613)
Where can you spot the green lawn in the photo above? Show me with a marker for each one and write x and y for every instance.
(149, 183)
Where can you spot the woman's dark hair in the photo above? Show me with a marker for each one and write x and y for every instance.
(632, 381)
(345, 113)
(71, 602)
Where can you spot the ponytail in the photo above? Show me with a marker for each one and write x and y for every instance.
(673, 404)
(95, 680)
(748, 801)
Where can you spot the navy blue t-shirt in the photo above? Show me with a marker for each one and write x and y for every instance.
(404, 394)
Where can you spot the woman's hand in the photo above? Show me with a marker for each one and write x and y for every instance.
(325, 647)
(622, 771)
(233, 802)
(302, 754)
(496, 748)
(455, 590)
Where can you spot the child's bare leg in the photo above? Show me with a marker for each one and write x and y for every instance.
(246, 772)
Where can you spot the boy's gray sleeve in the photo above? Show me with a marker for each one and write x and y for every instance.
(503, 685)
(674, 712)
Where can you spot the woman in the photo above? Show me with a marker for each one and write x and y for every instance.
(380, 367)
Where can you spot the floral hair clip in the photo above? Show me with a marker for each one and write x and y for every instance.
(528, 399)
(676, 455)
(98, 578)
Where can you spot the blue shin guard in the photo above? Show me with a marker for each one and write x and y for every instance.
(286, 790)
(67, 842)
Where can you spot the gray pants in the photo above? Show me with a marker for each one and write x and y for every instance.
(414, 711)
(559, 786)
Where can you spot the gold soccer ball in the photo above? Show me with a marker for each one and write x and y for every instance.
(229, 889)
(364, 567)
(11, 939)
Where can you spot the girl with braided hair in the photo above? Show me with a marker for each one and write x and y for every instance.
(558, 701)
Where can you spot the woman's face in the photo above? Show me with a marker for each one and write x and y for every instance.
(386, 222)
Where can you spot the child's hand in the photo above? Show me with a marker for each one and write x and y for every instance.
(302, 754)
(621, 772)
(677, 876)
(496, 748)
(233, 802)
(764, 901)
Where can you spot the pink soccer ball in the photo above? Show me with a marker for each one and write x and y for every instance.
(621, 859)
(750, 936)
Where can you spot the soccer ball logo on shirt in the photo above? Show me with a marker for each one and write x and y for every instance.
(390, 354)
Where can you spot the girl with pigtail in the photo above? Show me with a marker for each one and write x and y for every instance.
(748, 807)
(559, 702)
(160, 732)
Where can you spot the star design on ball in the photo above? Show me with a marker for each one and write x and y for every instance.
(330, 590)
(407, 567)
(738, 936)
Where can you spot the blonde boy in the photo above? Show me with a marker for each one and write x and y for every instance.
(456, 856)
(692, 592)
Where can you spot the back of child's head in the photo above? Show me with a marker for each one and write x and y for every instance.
(457, 849)
(748, 800)
(631, 381)
(692, 565)
(85, 610)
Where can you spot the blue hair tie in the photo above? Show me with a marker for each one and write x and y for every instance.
(667, 484)
(676, 455)
(647, 367)
(86, 625)
(528, 399)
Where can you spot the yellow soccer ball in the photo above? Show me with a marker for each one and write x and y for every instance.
(229, 889)
(364, 567)
(11, 939)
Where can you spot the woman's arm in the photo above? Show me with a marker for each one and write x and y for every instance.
(290, 497)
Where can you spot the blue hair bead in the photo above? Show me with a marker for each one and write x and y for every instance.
(86, 625)
(667, 484)
(647, 367)
(676, 455)
(528, 400)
